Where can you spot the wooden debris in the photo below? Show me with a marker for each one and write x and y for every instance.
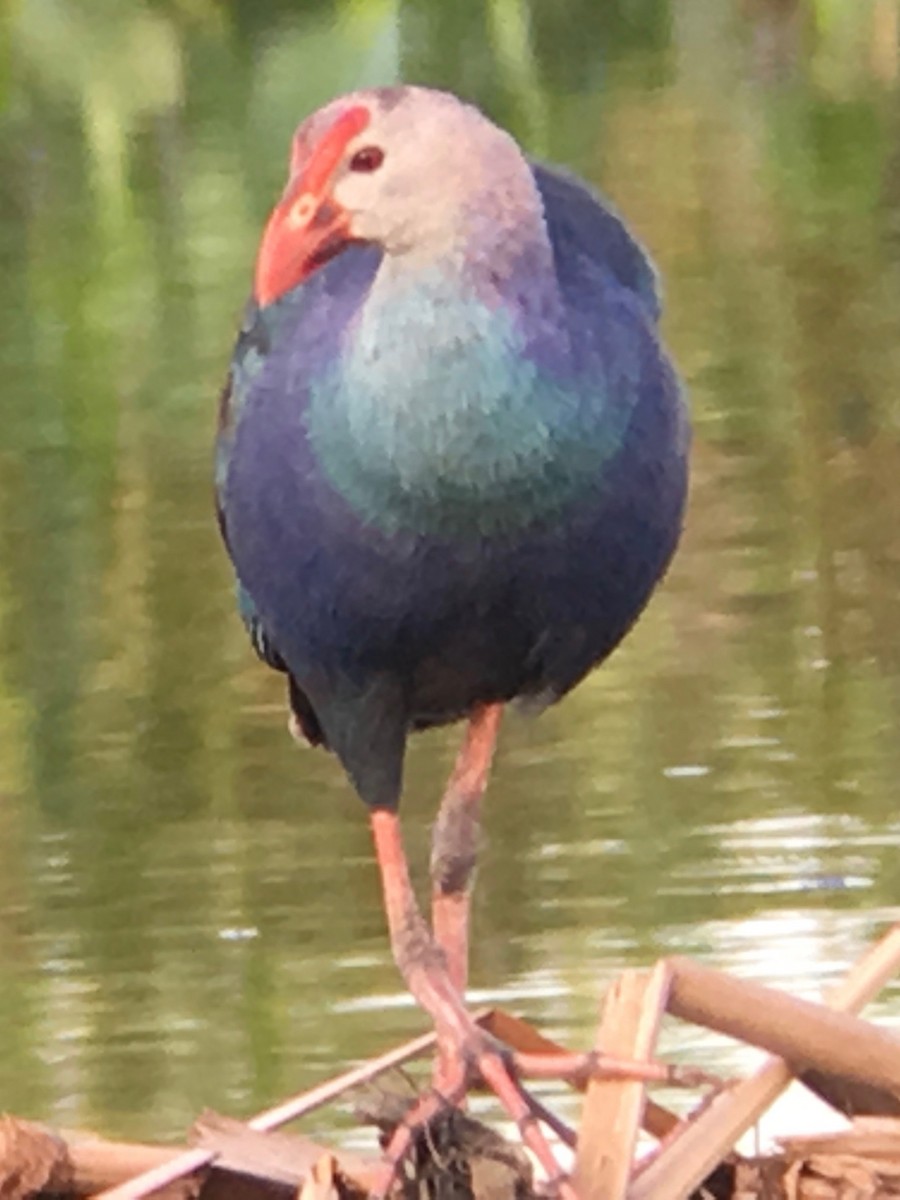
(827, 1178)
(523, 1036)
(851, 1062)
(95, 1163)
(32, 1159)
(706, 1141)
(156, 1178)
(799, 1031)
(613, 1109)
(861, 1162)
(868, 1137)
(321, 1180)
(849, 1096)
(35, 1160)
(286, 1158)
(193, 1160)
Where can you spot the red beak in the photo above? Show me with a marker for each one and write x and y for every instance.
(300, 236)
(307, 227)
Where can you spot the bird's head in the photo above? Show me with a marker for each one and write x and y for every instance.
(409, 169)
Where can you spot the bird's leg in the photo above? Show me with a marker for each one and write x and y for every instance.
(454, 844)
(454, 849)
(466, 1049)
(423, 966)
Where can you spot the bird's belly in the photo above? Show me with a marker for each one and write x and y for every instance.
(460, 617)
(459, 623)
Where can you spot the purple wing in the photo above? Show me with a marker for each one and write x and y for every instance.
(588, 236)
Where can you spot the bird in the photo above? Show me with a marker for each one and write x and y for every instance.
(451, 469)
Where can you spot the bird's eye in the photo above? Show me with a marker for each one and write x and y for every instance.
(368, 159)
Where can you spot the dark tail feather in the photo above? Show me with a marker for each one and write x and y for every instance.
(305, 722)
(367, 731)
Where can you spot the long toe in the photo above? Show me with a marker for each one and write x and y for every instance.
(476, 1056)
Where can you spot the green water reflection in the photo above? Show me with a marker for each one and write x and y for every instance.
(189, 913)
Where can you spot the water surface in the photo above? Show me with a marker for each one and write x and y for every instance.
(189, 911)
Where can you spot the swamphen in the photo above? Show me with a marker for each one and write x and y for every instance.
(451, 470)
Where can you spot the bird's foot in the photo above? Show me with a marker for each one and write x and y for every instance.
(433, 968)
(477, 1057)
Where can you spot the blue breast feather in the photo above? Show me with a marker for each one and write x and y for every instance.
(493, 606)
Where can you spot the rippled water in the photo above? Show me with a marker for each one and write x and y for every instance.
(189, 911)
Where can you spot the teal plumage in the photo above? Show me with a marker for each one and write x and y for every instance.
(403, 465)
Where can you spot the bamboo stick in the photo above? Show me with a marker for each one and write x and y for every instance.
(869, 1137)
(613, 1109)
(96, 1163)
(521, 1035)
(799, 1031)
(188, 1161)
(851, 1098)
(281, 1157)
(674, 1174)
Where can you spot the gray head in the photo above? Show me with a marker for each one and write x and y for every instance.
(413, 170)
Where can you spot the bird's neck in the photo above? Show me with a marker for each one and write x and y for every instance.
(446, 412)
(450, 328)
(467, 311)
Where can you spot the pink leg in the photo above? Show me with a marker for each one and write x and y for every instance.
(455, 841)
(466, 1046)
(454, 849)
(433, 973)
